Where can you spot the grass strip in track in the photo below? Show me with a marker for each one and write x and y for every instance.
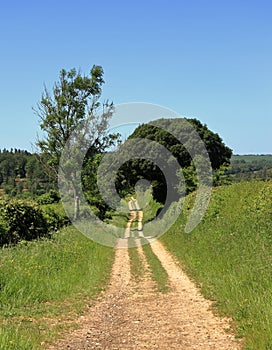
(159, 274)
(136, 264)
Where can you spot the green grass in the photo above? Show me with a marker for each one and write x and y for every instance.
(136, 264)
(229, 255)
(158, 273)
(44, 283)
(137, 268)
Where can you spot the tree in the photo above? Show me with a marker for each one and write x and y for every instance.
(70, 109)
(136, 169)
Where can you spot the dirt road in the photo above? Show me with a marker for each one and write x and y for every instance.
(132, 315)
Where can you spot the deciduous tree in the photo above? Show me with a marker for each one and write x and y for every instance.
(73, 104)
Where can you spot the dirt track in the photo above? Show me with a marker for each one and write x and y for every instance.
(133, 315)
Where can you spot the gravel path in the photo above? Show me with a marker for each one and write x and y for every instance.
(132, 315)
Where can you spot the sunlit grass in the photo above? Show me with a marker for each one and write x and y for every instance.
(158, 273)
(137, 267)
(46, 284)
(229, 255)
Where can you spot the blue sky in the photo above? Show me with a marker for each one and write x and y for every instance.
(211, 60)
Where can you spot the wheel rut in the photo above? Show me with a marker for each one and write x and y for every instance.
(133, 315)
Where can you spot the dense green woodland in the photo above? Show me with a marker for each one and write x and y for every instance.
(22, 172)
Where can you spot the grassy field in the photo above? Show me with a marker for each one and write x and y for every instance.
(229, 255)
(46, 284)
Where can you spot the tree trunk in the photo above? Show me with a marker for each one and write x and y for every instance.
(76, 206)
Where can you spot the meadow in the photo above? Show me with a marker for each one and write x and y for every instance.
(229, 256)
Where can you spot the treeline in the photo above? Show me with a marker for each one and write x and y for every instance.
(251, 167)
(22, 173)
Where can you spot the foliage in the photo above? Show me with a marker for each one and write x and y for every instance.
(55, 216)
(136, 169)
(39, 178)
(49, 198)
(229, 256)
(22, 173)
(218, 152)
(70, 125)
(250, 167)
(74, 97)
(45, 283)
(22, 220)
(251, 158)
(13, 164)
(90, 187)
(222, 176)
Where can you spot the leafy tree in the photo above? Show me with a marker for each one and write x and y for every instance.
(136, 169)
(71, 109)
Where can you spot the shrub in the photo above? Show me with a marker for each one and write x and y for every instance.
(21, 221)
(49, 198)
(55, 216)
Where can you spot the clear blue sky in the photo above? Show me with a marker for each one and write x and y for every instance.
(206, 59)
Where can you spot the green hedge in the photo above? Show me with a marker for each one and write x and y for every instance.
(26, 220)
(21, 221)
(50, 197)
(55, 216)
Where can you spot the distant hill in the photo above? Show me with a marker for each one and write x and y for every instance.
(251, 166)
(248, 158)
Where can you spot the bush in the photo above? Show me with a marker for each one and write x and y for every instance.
(49, 198)
(21, 221)
(55, 216)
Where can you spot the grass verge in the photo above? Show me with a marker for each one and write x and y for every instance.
(46, 284)
(229, 255)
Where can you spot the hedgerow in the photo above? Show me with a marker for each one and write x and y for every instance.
(26, 220)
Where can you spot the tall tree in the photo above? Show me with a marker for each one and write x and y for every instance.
(136, 169)
(73, 103)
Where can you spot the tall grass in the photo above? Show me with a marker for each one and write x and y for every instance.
(229, 255)
(48, 280)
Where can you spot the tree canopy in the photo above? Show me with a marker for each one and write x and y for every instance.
(135, 169)
(75, 97)
(69, 122)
